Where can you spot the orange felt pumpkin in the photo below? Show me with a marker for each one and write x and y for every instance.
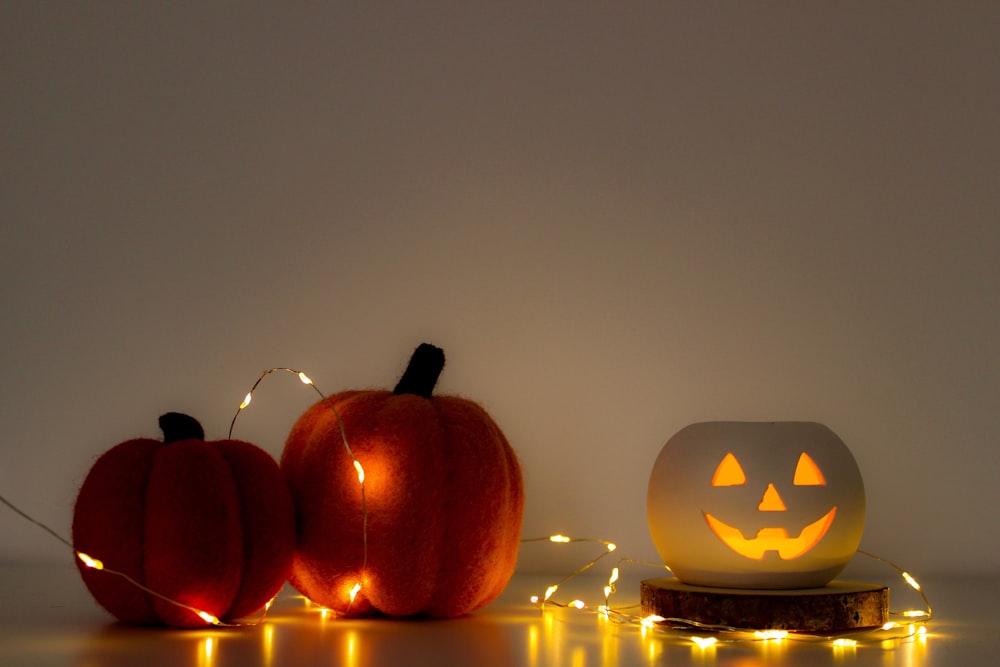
(443, 491)
(207, 524)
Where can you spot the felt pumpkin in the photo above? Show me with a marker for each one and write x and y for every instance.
(756, 505)
(443, 491)
(209, 524)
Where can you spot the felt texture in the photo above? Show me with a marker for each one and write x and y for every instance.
(445, 502)
(208, 524)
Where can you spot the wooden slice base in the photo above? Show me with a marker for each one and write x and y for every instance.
(837, 607)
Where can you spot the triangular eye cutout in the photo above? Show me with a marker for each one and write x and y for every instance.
(807, 473)
(729, 472)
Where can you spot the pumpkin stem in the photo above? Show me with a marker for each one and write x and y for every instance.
(177, 426)
(422, 372)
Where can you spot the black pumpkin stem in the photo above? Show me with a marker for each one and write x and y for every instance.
(422, 372)
(177, 426)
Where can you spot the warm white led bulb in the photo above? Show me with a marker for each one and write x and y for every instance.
(246, 400)
(911, 581)
(651, 620)
(89, 561)
(361, 471)
(304, 378)
(208, 618)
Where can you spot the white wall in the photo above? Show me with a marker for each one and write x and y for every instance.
(616, 218)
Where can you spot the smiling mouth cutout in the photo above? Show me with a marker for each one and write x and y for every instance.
(772, 539)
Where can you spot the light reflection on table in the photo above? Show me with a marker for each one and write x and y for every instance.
(49, 619)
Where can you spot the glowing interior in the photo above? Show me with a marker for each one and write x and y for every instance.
(730, 473)
(807, 473)
(772, 539)
(771, 502)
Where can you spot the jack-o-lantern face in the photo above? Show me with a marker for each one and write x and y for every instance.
(770, 538)
(756, 504)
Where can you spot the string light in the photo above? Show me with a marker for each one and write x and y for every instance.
(359, 469)
(923, 615)
(209, 618)
(912, 625)
(96, 564)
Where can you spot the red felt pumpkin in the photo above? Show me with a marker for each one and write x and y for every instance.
(444, 500)
(206, 524)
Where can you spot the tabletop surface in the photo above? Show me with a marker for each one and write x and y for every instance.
(48, 618)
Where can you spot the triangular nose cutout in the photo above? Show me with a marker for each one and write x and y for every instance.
(771, 502)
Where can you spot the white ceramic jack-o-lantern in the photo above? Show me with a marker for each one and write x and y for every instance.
(756, 504)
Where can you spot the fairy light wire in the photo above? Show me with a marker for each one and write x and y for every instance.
(358, 467)
(96, 564)
(911, 582)
(609, 547)
(38, 523)
(915, 626)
